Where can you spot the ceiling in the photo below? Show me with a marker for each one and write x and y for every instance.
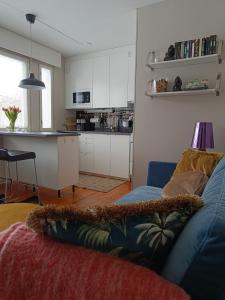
(87, 25)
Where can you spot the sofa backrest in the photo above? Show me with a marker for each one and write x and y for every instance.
(197, 261)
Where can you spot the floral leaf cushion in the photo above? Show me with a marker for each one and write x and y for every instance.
(143, 232)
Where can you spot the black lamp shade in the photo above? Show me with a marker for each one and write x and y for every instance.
(31, 83)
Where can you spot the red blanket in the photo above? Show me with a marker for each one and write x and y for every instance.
(34, 267)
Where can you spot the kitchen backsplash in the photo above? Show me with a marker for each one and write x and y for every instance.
(118, 120)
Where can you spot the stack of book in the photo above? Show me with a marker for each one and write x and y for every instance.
(198, 47)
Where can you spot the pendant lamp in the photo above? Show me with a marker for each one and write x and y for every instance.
(31, 83)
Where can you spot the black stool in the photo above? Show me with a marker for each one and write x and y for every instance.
(15, 156)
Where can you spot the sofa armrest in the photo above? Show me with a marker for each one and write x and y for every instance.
(159, 173)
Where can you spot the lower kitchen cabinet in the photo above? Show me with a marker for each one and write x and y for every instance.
(102, 154)
(86, 153)
(120, 156)
(105, 154)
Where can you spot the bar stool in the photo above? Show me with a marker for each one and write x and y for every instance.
(14, 156)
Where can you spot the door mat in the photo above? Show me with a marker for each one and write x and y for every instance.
(97, 183)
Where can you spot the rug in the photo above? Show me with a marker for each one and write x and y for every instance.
(97, 183)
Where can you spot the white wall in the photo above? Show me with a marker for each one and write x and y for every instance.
(164, 127)
(18, 44)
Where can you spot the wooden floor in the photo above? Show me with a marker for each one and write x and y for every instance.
(81, 198)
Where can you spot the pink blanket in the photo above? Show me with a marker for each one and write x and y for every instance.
(34, 267)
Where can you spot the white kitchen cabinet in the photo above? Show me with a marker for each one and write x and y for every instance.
(102, 154)
(82, 74)
(120, 156)
(110, 75)
(78, 77)
(86, 153)
(101, 82)
(119, 79)
(105, 154)
(131, 74)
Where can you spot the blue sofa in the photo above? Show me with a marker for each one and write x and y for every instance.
(197, 261)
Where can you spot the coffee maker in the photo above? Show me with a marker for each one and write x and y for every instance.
(125, 124)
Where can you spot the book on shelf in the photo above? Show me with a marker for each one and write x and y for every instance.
(197, 47)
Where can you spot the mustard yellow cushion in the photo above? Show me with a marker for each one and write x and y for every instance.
(194, 160)
(191, 182)
(14, 212)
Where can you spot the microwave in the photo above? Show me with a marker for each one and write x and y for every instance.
(82, 98)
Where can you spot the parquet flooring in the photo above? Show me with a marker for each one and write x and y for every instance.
(81, 198)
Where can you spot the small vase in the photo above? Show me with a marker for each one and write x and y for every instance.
(12, 125)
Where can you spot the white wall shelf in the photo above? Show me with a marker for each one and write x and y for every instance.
(184, 93)
(213, 58)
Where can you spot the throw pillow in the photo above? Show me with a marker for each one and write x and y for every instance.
(143, 232)
(191, 182)
(194, 160)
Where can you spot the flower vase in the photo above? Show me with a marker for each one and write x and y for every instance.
(12, 125)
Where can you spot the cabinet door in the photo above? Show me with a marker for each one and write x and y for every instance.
(78, 76)
(120, 156)
(86, 153)
(81, 74)
(68, 161)
(101, 82)
(102, 154)
(119, 79)
(131, 74)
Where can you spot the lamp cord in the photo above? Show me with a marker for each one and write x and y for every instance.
(31, 48)
(84, 43)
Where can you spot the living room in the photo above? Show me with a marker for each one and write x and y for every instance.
(113, 168)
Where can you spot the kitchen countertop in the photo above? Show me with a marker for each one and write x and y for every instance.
(39, 133)
(104, 132)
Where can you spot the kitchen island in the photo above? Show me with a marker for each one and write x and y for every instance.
(57, 157)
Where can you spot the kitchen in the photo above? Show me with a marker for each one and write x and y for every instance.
(100, 96)
(98, 110)
(88, 100)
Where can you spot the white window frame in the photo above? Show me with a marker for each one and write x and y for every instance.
(27, 62)
(52, 110)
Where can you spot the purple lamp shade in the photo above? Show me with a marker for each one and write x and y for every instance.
(203, 136)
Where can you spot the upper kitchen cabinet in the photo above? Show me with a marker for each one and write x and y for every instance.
(107, 75)
(81, 73)
(78, 77)
(119, 79)
(101, 82)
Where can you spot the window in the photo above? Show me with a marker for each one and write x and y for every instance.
(12, 70)
(46, 98)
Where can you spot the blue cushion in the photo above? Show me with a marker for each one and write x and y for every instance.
(141, 193)
(159, 173)
(197, 261)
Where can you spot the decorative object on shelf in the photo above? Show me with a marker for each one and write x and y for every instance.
(161, 85)
(196, 85)
(152, 56)
(170, 54)
(152, 86)
(11, 113)
(31, 83)
(203, 136)
(177, 84)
